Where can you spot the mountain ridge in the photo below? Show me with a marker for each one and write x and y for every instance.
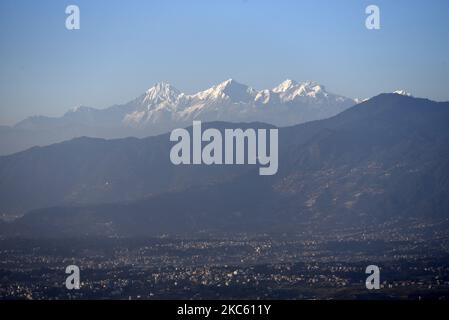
(163, 107)
(384, 159)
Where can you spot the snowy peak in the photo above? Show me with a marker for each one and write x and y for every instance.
(80, 109)
(238, 92)
(290, 90)
(267, 96)
(306, 86)
(163, 107)
(228, 83)
(312, 88)
(403, 93)
(229, 89)
(162, 91)
(399, 92)
(285, 86)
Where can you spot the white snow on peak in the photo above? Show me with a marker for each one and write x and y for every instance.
(162, 91)
(78, 110)
(285, 85)
(403, 93)
(360, 100)
(290, 90)
(265, 96)
(288, 103)
(230, 89)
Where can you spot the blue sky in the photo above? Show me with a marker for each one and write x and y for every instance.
(124, 47)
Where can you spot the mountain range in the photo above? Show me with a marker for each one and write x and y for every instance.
(163, 108)
(385, 159)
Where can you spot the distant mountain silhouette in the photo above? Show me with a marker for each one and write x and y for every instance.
(382, 160)
(163, 107)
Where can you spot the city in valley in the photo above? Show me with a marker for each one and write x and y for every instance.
(413, 261)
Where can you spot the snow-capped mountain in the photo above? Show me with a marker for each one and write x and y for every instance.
(163, 107)
(403, 93)
(399, 92)
(287, 104)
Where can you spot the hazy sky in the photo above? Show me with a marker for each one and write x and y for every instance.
(124, 47)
